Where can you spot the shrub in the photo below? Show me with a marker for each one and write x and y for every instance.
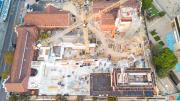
(153, 33)
(162, 13)
(44, 36)
(157, 38)
(161, 43)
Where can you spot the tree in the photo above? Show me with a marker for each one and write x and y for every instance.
(13, 97)
(60, 98)
(112, 98)
(23, 97)
(94, 98)
(5, 73)
(164, 61)
(146, 4)
(156, 49)
(17, 97)
(8, 57)
(79, 98)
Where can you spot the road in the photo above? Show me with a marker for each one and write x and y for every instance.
(13, 11)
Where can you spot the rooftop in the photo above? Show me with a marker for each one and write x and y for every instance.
(120, 17)
(50, 18)
(107, 84)
(20, 70)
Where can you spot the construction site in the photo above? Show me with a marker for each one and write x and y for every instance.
(95, 49)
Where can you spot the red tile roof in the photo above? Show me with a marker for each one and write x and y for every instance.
(107, 21)
(20, 70)
(50, 18)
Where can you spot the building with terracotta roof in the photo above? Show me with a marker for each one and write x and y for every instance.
(20, 71)
(119, 18)
(27, 35)
(50, 18)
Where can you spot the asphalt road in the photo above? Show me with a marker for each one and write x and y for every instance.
(10, 35)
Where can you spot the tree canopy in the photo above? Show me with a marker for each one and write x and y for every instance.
(5, 73)
(17, 97)
(164, 60)
(112, 98)
(8, 57)
(146, 4)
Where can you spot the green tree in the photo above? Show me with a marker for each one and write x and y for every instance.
(13, 97)
(146, 4)
(79, 98)
(23, 97)
(156, 49)
(164, 61)
(60, 98)
(94, 98)
(112, 98)
(17, 97)
(5, 73)
(8, 57)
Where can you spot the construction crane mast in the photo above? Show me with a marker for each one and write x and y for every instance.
(85, 19)
(85, 13)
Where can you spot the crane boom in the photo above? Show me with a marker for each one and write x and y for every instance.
(107, 9)
(86, 40)
(64, 32)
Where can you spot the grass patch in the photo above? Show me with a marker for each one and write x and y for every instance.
(161, 43)
(157, 38)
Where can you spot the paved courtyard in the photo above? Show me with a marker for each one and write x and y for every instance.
(161, 25)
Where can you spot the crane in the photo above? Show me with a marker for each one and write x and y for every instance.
(107, 9)
(64, 32)
(84, 21)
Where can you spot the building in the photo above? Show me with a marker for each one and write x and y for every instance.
(20, 71)
(173, 43)
(118, 19)
(64, 68)
(176, 23)
(27, 36)
(131, 82)
(50, 18)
